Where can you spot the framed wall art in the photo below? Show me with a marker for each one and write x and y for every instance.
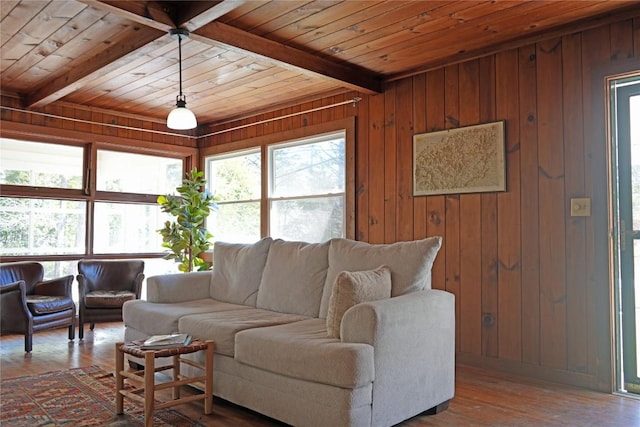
(469, 159)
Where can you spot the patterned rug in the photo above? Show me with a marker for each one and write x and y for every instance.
(75, 397)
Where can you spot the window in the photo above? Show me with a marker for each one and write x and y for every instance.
(307, 189)
(235, 181)
(58, 205)
(40, 165)
(127, 228)
(137, 173)
(41, 226)
(299, 193)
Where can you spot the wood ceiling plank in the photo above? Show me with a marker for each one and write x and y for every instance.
(45, 22)
(63, 35)
(448, 28)
(401, 19)
(16, 17)
(113, 57)
(234, 104)
(252, 15)
(141, 70)
(195, 88)
(316, 22)
(295, 20)
(6, 7)
(286, 56)
(490, 30)
(239, 72)
(347, 26)
(292, 15)
(625, 11)
(378, 44)
(354, 78)
(162, 81)
(92, 39)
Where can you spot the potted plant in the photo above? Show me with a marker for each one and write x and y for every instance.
(186, 237)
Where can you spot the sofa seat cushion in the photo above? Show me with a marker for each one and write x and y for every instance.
(222, 326)
(302, 350)
(107, 299)
(46, 304)
(162, 318)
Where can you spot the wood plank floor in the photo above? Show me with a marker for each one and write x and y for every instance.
(482, 398)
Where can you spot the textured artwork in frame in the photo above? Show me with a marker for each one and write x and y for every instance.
(464, 160)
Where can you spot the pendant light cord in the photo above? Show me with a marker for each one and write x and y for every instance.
(180, 63)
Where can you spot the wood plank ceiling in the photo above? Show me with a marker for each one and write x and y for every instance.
(245, 57)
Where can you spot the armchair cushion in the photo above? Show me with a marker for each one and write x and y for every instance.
(106, 299)
(46, 304)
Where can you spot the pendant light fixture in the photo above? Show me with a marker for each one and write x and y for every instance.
(181, 118)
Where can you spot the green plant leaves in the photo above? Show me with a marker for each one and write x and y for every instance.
(187, 237)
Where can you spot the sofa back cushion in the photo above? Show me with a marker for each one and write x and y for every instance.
(293, 278)
(410, 263)
(237, 271)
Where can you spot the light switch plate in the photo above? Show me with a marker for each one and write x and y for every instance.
(581, 206)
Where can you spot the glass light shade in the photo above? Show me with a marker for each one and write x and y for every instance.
(181, 118)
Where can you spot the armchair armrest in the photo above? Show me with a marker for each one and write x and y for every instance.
(14, 313)
(413, 337)
(60, 286)
(178, 287)
(137, 288)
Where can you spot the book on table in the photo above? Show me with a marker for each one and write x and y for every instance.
(157, 342)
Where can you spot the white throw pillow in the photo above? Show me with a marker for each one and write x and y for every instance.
(353, 288)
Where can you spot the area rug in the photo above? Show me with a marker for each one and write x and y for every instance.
(74, 397)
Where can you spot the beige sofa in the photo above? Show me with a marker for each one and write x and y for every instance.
(373, 350)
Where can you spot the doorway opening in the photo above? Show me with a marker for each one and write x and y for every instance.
(624, 119)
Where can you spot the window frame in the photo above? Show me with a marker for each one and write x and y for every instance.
(91, 143)
(347, 125)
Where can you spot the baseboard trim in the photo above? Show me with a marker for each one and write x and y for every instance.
(513, 367)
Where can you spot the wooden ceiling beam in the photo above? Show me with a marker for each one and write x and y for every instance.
(200, 13)
(154, 14)
(199, 18)
(288, 57)
(156, 19)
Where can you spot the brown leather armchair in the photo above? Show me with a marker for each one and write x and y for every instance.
(28, 304)
(104, 286)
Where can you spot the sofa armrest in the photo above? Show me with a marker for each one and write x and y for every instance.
(178, 287)
(58, 287)
(413, 337)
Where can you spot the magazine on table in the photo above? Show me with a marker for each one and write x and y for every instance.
(157, 342)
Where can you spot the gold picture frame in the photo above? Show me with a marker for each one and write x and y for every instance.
(469, 159)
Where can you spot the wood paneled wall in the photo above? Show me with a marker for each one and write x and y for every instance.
(531, 282)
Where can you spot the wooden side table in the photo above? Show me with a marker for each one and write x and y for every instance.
(146, 378)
